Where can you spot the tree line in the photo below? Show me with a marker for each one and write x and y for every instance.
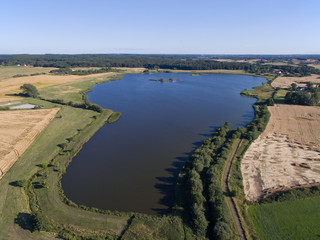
(179, 62)
(69, 71)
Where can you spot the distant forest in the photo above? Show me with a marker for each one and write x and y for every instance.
(178, 62)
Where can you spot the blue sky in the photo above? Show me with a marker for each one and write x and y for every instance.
(174, 27)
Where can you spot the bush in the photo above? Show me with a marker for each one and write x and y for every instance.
(270, 102)
(222, 231)
(29, 90)
(21, 183)
(40, 223)
(62, 145)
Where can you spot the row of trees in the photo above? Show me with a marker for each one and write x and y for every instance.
(85, 105)
(199, 189)
(69, 71)
(259, 123)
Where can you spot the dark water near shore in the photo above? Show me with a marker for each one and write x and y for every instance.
(132, 165)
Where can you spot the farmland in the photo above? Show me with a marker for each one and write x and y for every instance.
(286, 154)
(18, 129)
(297, 219)
(285, 82)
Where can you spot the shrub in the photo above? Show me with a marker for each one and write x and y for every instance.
(40, 223)
(222, 231)
(29, 90)
(62, 145)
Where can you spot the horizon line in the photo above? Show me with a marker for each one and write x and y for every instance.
(182, 54)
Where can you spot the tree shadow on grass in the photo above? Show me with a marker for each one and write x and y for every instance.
(25, 221)
(15, 184)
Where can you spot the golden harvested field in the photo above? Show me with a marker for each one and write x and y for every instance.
(285, 82)
(12, 85)
(314, 65)
(18, 129)
(286, 154)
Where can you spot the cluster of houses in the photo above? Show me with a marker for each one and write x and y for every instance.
(25, 65)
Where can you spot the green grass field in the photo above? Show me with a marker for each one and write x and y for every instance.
(287, 220)
(279, 95)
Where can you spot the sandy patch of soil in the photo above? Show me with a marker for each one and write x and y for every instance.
(18, 129)
(285, 82)
(286, 154)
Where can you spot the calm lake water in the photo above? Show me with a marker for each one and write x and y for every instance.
(132, 165)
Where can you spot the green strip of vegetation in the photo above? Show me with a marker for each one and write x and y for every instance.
(200, 193)
(164, 80)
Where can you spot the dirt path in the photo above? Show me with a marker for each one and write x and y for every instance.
(227, 191)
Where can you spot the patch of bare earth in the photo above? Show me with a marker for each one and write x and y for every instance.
(286, 155)
(285, 82)
(18, 129)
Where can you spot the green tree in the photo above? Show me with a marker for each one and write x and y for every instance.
(309, 85)
(222, 231)
(270, 102)
(29, 90)
(294, 86)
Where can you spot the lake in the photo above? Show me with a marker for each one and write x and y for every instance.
(132, 165)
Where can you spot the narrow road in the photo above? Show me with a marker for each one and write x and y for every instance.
(227, 191)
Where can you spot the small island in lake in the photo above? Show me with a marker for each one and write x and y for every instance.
(164, 80)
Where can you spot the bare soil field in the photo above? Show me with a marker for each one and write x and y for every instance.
(285, 82)
(18, 129)
(286, 154)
